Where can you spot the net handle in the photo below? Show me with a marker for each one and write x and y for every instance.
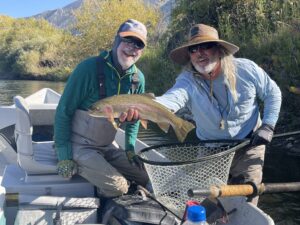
(249, 189)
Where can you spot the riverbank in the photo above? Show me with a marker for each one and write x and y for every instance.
(7, 76)
(12, 76)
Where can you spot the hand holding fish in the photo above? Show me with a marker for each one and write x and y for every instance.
(131, 115)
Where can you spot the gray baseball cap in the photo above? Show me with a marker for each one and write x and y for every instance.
(133, 28)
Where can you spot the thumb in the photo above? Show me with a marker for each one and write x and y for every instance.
(123, 117)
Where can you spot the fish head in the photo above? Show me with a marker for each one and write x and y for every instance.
(97, 110)
(102, 110)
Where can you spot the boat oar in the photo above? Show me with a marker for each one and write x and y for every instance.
(249, 189)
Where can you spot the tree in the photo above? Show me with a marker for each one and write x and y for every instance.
(5, 27)
(98, 22)
(32, 47)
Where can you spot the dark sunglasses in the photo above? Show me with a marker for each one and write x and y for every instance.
(137, 44)
(204, 46)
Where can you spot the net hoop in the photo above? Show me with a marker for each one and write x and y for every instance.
(175, 168)
(239, 144)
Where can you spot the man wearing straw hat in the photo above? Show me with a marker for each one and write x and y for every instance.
(221, 92)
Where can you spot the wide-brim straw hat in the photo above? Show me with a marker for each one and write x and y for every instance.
(200, 33)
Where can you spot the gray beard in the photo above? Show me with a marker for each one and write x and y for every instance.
(207, 69)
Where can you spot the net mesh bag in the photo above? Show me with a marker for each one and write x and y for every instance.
(173, 169)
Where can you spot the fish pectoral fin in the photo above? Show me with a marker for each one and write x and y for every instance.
(164, 126)
(109, 112)
(113, 122)
(144, 123)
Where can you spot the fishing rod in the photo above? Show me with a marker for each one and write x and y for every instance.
(250, 189)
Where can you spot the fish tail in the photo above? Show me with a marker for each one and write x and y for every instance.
(183, 130)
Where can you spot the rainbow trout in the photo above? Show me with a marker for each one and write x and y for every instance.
(148, 109)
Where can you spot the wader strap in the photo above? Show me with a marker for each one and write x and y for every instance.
(101, 77)
(135, 83)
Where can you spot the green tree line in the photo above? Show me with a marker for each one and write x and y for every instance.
(266, 31)
(34, 49)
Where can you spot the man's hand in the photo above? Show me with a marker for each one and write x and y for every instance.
(262, 135)
(66, 168)
(131, 115)
(134, 159)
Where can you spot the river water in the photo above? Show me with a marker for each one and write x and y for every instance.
(282, 163)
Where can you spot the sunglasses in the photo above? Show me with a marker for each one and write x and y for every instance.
(205, 46)
(137, 44)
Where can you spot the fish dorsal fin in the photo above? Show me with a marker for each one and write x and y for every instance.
(149, 95)
(164, 126)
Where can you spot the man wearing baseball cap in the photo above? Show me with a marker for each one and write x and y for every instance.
(222, 94)
(84, 144)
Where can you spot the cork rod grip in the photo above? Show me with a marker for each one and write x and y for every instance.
(231, 190)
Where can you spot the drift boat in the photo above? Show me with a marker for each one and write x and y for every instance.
(31, 190)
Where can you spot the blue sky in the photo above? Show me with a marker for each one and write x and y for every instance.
(24, 8)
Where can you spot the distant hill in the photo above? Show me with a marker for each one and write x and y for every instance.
(63, 18)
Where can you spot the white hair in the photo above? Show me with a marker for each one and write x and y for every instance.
(229, 70)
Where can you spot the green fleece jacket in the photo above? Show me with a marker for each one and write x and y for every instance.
(82, 90)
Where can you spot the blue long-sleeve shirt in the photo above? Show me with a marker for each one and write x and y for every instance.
(240, 116)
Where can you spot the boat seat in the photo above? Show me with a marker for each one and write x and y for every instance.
(33, 157)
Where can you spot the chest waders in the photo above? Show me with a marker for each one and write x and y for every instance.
(100, 160)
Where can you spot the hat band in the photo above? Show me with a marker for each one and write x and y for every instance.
(204, 38)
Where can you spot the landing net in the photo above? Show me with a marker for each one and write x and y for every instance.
(173, 169)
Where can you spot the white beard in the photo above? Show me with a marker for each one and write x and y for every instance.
(127, 62)
(206, 69)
